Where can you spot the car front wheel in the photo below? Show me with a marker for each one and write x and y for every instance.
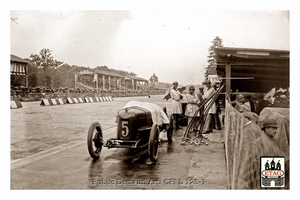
(95, 140)
(153, 143)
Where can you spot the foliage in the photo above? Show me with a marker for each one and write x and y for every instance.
(45, 61)
(44, 70)
(32, 80)
(153, 79)
(212, 63)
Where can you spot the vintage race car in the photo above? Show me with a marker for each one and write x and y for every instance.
(138, 126)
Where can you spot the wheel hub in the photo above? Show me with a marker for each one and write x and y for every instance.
(98, 140)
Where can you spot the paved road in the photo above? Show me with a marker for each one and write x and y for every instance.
(49, 151)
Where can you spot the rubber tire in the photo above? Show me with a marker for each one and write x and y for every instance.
(153, 143)
(170, 129)
(94, 151)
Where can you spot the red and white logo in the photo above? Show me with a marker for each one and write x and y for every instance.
(272, 171)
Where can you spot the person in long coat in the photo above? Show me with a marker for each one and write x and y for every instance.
(266, 145)
(212, 111)
(176, 96)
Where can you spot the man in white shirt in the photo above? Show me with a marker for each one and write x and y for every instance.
(176, 104)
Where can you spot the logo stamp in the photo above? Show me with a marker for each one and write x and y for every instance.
(272, 171)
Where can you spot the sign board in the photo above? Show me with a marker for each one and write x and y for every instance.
(214, 79)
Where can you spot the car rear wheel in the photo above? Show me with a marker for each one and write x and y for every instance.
(95, 140)
(153, 143)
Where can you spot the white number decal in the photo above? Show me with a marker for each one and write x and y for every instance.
(125, 129)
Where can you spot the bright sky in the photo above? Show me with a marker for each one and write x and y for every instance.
(173, 44)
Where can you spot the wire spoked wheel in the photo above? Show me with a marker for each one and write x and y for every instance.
(95, 140)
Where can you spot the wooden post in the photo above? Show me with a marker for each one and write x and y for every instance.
(96, 80)
(132, 81)
(228, 75)
(109, 83)
(26, 76)
(237, 95)
(103, 82)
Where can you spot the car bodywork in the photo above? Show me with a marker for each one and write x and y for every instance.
(138, 126)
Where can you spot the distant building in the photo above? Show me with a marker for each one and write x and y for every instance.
(108, 80)
(18, 66)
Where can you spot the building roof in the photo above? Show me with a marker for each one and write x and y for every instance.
(18, 59)
(106, 72)
(136, 78)
(254, 70)
(115, 74)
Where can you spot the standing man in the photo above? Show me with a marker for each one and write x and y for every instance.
(200, 93)
(216, 119)
(200, 97)
(176, 104)
(212, 111)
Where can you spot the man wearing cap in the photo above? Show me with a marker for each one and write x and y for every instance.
(176, 104)
(267, 144)
(270, 128)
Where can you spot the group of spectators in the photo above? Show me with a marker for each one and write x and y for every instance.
(246, 104)
(194, 101)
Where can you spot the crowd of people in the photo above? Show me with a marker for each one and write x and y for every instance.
(194, 101)
(248, 104)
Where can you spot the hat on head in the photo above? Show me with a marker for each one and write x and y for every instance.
(175, 83)
(269, 123)
(206, 82)
(191, 87)
(201, 87)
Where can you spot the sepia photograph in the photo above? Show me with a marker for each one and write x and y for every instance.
(145, 97)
